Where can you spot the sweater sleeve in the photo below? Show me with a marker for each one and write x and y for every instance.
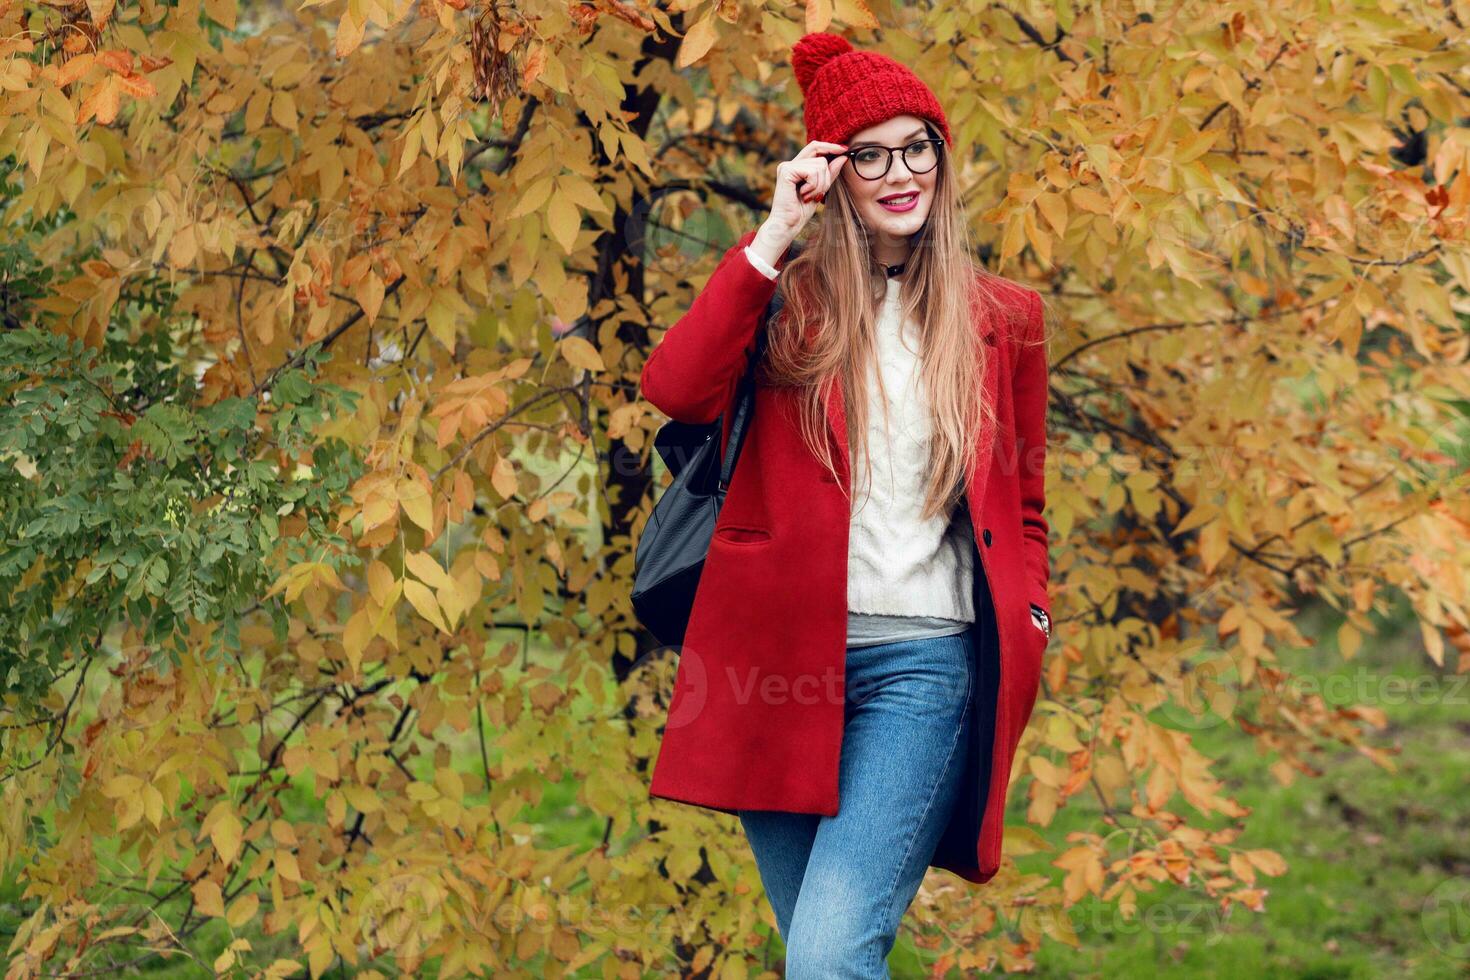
(691, 375)
(767, 270)
(1029, 396)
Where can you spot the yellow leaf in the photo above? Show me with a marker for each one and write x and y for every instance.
(855, 13)
(636, 150)
(222, 12)
(427, 569)
(130, 811)
(286, 866)
(326, 573)
(319, 954)
(450, 783)
(421, 792)
(1194, 146)
(503, 478)
(580, 353)
(1433, 641)
(119, 786)
(362, 798)
(153, 805)
(355, 636)
(1046, 771)
(1090, 200)
(413, 497)
(441, 318)
(243, 910)
(411, 143)
(1214, 544)
(380, 579)
(1196, 518)
(1053, 208)
(429, 126)
(423, 600)
(697, 42)
(226, 833)
(582, 192)
(369, 295)
(336, 808)
(283, 111)
(296, 579)
(1014, 236)
(533, 197)
(450, 602)
(1021, 840)
(564, 219)
(183, 247)
(207, 897)
(818, 15)
(378, 511)
(349, 33)
(383, 618)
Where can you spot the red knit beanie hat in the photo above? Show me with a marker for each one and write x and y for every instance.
(848, 90)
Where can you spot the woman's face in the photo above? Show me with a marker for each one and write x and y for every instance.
(896, 205)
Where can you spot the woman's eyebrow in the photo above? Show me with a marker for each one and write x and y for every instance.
(918, 132)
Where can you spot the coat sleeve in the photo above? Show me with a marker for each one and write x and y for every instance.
(691, 375)
(1029, 396)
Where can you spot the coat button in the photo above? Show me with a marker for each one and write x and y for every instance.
(986, 536)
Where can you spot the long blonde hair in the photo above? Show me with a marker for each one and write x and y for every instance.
(827, 328)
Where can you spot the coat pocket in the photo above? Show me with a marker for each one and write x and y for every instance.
(742, 534)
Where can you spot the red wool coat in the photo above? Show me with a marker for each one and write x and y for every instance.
(756, 718)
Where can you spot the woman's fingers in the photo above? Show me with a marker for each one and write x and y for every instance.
(815, 167)
(818, 146)
(810, 177)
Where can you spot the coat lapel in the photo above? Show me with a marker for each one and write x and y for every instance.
(980, 462)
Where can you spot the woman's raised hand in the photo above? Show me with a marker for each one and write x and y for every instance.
(801, 184)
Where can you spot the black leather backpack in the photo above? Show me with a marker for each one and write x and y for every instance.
(671, 551)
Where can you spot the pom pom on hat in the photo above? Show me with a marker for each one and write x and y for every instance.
(847, 90)
(812, 51)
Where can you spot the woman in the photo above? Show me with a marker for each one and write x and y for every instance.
(864, 649)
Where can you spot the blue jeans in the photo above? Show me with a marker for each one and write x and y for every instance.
(839, 885)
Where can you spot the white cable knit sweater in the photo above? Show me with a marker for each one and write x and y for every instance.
(899, 565)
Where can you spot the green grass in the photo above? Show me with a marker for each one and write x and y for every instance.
(1366, 849)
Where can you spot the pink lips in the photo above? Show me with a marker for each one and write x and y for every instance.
(913, 200)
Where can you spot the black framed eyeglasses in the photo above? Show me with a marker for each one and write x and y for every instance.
(873, 162)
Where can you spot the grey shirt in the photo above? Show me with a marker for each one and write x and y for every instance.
(867, 629)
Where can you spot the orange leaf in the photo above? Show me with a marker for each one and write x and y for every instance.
(75, 69)
(118, 61)
(137, 86)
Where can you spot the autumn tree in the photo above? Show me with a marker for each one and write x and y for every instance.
(322, 462)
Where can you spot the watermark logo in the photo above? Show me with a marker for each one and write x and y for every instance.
(1209, 690)
(1445, 917)
(691, 689)
(403, 911)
